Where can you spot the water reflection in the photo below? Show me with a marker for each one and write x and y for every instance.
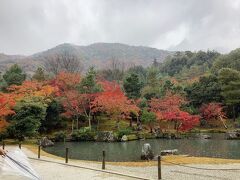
(131, 151)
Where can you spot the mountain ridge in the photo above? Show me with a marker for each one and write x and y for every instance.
(97, 54)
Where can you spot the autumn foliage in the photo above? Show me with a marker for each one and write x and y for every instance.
(6, 108)
(212, 111)
(7, 103)
(65, 81)
(87, 97)
(113, 101)
(31, 88)
(168, 109)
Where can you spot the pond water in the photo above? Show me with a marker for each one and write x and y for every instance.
(218, 146)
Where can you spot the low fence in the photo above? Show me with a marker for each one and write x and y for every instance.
(103, 169)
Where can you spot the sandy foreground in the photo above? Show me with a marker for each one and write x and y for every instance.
(51, 168)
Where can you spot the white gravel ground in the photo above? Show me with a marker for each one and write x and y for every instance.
(55, 171)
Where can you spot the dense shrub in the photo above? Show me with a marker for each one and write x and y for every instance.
(83, 134)
(59, 136)
(122, 132)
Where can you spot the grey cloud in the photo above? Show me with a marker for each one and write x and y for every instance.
(29, 26)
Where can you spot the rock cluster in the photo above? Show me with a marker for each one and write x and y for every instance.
(233, 134)
(105, 136)
(45, 142)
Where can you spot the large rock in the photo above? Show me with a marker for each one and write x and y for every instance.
(158, 133)
(233, 134)
(105, 136)
(205, 136)
(147, 153)
(169, 152)
(45, 142)
(124, 138)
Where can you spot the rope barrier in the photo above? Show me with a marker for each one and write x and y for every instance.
(199, 168)
(93, 169)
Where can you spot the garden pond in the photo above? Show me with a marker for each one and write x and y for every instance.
(217, 147)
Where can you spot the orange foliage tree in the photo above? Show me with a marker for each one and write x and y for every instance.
(32, 88)
(7, 103)
(168, 108)
(66, 85)
(113, 102)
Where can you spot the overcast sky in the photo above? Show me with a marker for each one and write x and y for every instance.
(30, 26)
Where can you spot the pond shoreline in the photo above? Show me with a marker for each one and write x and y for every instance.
(110, 136)
(217, 146)
(172, 158)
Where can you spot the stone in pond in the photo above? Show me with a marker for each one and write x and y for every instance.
(169, 152)
(147, 153)
(233, 134)
(45, 142)
(204, 136)
(124, 138)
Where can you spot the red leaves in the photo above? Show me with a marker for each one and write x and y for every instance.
(168, 103)
(212, 111)
(31, 88)
(186, 121)
(168, 108)
(66, 81)
(7, 103)
(113, 101)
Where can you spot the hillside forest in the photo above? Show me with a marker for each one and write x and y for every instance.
(187, 91)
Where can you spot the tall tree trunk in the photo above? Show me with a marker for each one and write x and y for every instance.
(130, 125)
(97, 123)
(234, 114)
(175, 125)
(89, 122)
(223, 122)
(138, 123)
(77, 122)
(72, 125)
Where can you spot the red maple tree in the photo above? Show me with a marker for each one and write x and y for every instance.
(7, 103)
(66, 84)
(65, 81)
(168, 108)
(113, 102)
(213, 111)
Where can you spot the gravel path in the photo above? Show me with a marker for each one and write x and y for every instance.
(54, 170)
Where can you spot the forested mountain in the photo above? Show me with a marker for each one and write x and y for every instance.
(99, 54)
(189, 65)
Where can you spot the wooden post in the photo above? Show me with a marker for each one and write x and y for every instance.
(159, 168)
(66, 157)
(20, 145)
(39, 149)
(103, 160)
(3, 145)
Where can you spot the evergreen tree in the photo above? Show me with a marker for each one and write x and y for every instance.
(132, 86)
(148, 118)
(28, 117)
(39, 75)
(89, 82)
(230, 83)
(206, 90)
(14, 75)
(152, 88)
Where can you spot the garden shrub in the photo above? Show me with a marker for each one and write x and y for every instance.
(132, 137)
(122, 132)
(83, 134)
(59, 136)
